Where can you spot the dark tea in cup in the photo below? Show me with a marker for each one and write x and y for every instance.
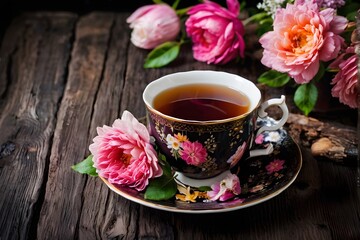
(204, 121)
(201, 102)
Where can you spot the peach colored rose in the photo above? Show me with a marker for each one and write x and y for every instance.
(123, 154)
(302, 37)
(153, 25)
(345, 81)
(216, 32)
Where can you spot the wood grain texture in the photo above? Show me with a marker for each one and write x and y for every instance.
(61, 76)
(117, 217)
(59, 215)
(331, 140)
(34, 58)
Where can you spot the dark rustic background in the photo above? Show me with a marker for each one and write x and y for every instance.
(11, 8)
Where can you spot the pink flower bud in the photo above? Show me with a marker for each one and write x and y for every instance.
(153, 25)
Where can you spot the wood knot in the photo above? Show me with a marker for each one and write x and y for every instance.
(7, 149)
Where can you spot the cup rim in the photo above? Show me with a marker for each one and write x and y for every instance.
(198, 122)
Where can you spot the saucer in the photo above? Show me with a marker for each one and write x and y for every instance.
(261, 177)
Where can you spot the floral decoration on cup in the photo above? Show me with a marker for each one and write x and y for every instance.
(193, 153)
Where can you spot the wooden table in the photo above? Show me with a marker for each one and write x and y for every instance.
(61, 75)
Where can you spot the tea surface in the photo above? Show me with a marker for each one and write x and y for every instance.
(201, 102)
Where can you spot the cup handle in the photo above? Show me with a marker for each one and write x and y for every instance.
(261, 113)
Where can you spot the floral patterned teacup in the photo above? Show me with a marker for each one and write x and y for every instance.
(205, 149)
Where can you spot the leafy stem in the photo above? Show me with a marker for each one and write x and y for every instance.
(255, 17)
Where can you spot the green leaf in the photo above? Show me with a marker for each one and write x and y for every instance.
(175, 4)
(86, 167)
(162, 55)
(305, 97)
(264, 28)
(348, 9)
(274, 78)
(162, 157)
(162, 188)
(181, 12)
(351, 16)
(256, 17)
(204, 188)
(157, 1)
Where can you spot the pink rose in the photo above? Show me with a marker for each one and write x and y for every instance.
(216, 32)
(302, 37)
(123, 153)
(193, 153)
(153, 25)
(225, 189)
(345, 81)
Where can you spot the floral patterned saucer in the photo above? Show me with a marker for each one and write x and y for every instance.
(261, 178)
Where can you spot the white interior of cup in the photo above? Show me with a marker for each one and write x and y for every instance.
(201, 76)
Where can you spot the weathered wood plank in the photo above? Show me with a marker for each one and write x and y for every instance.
(60, 213)
(106, 215)
(330, 140)
(33, 66)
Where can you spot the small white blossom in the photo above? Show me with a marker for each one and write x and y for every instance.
(273, 137)
(172, 142)
(270, 6)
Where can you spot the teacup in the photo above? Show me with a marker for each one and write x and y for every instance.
(197, 130)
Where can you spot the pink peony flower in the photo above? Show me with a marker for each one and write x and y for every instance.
(275, 166)
(302, 37)
(345, 81)
(216, 32)
(153, 25)
(123, 154)
(225, 189)
(193, 153)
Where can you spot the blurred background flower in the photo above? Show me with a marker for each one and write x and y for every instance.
(153, 25)
(216, 32)
(345, 81)
(301, 39)
(297, 40)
